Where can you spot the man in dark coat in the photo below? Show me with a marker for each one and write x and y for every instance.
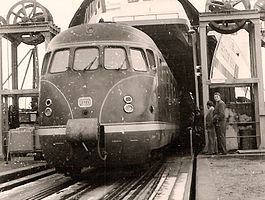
(210, 128)
(219, 122)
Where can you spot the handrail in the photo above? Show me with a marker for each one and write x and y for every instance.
(156, 16)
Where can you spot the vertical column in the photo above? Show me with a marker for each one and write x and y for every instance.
(5, 125)
(194, 52)
(14, 64)
(253, 70)
(1, 98)
(204, 64)
(48, 38)
(204, 68)
(35, 83)
(260, 90)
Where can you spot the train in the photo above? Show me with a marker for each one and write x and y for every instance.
(107, 98)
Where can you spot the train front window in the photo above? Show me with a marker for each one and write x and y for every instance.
(86, 59)
(45, 63)
(138, 60)
(151, 59)
(60, 61)
(115, 58)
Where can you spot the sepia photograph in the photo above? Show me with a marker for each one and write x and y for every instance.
(132, 99)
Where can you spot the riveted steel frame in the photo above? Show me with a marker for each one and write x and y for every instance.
(256, 79)
(11, 32)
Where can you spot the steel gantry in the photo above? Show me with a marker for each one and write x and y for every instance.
(30, 23)
(252, 19)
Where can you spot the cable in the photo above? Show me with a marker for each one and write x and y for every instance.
(99, 152)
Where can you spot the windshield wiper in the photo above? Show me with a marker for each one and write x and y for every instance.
(121, 65)
(90, 64)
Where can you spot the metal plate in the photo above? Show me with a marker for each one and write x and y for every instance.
(85, 102)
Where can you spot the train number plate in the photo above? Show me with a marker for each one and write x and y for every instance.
(84, 102)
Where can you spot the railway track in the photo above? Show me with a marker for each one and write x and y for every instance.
(130, 189)
(26, 179)
(100, 184)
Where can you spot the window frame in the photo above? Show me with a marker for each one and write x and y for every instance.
(154, 68)
(45, 63)
(86, 47)
(144, 56)
(115, 46)
(52, 59)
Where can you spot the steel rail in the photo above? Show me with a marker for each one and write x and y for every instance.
(136, 184)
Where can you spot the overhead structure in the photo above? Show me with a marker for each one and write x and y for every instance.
(30, 23)
(28, 11)
(226, 26)
(222, 17)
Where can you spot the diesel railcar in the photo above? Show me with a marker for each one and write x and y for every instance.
(107, 97)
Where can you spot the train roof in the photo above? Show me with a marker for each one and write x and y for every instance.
(105, 32)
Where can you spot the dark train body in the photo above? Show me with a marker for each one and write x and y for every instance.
(107, 97)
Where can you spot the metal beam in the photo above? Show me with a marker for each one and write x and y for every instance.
(20, 93)
(247, 15)
(233, 82)
(153, 21)
(29, 28)
(204, 68)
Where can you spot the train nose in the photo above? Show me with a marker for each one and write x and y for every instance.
(83, 130)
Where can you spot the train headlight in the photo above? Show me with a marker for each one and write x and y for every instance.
(48, 112)
(128, 108)
(48, 102)
(127, 99)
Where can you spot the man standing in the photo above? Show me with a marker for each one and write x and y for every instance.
(210, 128)
(219, 122)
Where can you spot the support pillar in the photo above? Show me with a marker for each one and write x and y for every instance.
(1, 98)
(35, 83)
(14, 64)
(204, 69)
(194, 52)
(259, 89)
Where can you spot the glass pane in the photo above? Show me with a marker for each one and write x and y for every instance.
(86, 59)
(115, 58)
(60, 61)
(138, 60)
(151, 59)
(45, 63)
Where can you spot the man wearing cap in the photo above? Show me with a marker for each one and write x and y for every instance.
(219, 122)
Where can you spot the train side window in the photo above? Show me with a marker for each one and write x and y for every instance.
(86, 58)
(138, 60)
(60, 61)
(151, 59)
(115, 58)
(45, 63)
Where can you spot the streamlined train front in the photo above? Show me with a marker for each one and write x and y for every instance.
(107, 97)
